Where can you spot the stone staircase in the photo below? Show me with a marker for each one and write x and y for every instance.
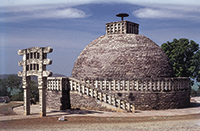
(108, 100)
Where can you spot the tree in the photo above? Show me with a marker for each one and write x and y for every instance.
(198, 91)
(185, 57)
(34, 93)
(14, 82)
(197, 64)
(8, 84)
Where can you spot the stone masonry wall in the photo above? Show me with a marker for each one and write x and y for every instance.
(59, 100)
(158, 100)
(81, 101)
(157, 94)
(141, 100)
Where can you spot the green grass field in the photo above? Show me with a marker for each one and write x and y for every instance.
(7, 108)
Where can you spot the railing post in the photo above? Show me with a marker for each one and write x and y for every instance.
(96, 84)
(114, 85)
(141, 85)
(137, 86)
(118, 103)
(113, 101)
(100, 96)
(122, 105)
(86, 91)
(159, 84)
(109, 99)
(128, 106)
(79, 87)
(128, 85)
(100, 82)
(162, 85)
(132, 108)
(95, 94)
(118, 84)
(109, 85)
(71, 85)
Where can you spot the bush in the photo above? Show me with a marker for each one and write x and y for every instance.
(18, 97)
(34, 93)
(193, 93)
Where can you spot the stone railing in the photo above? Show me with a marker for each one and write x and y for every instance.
(61, 83)
(154, 85)
(57, 83)
(81, 87)
(102, 89)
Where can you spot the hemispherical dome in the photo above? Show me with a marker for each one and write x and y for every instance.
(122, 56)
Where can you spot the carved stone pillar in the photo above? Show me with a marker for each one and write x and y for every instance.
(26, 87)
(42, 95)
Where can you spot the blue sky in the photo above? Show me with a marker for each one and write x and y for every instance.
(70, 25)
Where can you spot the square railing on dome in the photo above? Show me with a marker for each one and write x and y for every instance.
(122, 27)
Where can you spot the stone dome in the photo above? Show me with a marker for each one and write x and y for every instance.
(122, 56)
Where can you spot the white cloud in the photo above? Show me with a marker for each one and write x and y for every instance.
(13, 14)
(59, 9)
(156, 13)
(166, 11)
(61, 13)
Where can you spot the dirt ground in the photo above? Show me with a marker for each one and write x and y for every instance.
(183, 123)
(176, 122)
(7, 108)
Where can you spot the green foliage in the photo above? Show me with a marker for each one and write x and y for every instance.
(193, 93)
(34, 93)
(14, 82)
(198, 92)
(18, 97)
(185, 57)
(8, 84)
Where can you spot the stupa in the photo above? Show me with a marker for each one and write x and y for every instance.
(121, 70)
(122, 53)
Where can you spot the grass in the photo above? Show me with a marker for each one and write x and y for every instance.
(7, 108)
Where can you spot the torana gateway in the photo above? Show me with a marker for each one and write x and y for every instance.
(120, 71)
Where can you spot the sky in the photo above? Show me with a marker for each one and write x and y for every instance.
(68, 26)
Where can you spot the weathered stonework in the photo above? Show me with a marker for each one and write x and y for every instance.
(159, 100)
(34, 63)
(133, 68)
(149, 93)
(58, 93)
(125, 95)
(80, 101)
(122, 27)
(122, 56)
(124, 71)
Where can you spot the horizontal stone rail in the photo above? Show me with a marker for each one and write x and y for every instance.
(102, 89)
(81, 87)
(57, 83)
(154, 85)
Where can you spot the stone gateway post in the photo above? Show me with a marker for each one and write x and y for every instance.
(34, 64)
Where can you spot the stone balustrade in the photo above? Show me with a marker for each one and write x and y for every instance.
(154, 85)
(107, 91)
(81, 87)
(57, 83)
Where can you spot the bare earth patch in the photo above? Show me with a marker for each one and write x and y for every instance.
(7, 108)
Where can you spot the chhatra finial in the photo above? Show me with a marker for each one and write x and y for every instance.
(122, 15)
